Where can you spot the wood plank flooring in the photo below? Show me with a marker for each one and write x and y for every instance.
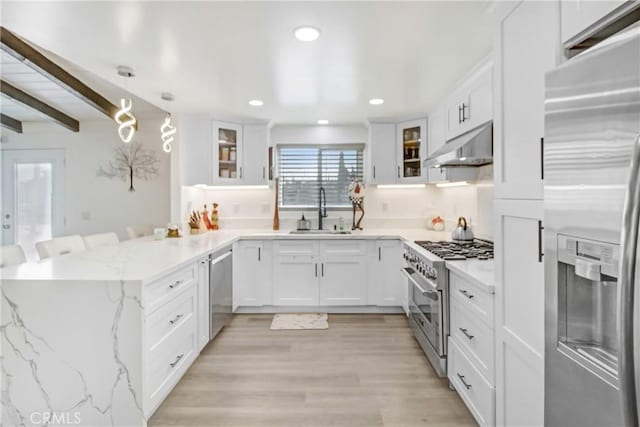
(365, 370)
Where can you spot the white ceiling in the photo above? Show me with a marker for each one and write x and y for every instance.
(216, 56)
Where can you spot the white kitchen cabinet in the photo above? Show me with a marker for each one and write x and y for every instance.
(227, 151)
(471, 104)
(437, 138)
(343, 272)
(582, 18)
(194, 144)
(526, 47)
(204, 316)
(255, 154)
(519, 313)
(381, 153)
(252, 272)
(411, 146)
(296, 277)
(386, 283)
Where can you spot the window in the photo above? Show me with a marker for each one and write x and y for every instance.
(304, 169)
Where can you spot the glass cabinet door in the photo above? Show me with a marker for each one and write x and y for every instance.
(412, 145)
(227, 151)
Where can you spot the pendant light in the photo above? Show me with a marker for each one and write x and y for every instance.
(167, 130)
(125, 119)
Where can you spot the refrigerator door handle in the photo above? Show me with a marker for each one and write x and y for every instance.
(628, 255)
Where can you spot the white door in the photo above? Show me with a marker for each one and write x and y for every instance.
(411, 149)
(32, 197)
(519, 314)
(382, 153)
(343, 280)
(388, 280)
(296, 273)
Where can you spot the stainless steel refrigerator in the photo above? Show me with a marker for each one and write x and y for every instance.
(592, 209)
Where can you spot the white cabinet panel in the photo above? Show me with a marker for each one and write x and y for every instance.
(194, 144)
(382, 153)
(252, 285)
(519, 312)
(204, 319)
(255, 149)
(386, 283)
(581, 17)
(343, 280)
(527, 47)
(296, 276)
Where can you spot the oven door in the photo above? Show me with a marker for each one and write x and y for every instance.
(425, 306)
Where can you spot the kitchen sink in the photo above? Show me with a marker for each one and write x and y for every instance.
(319, 232)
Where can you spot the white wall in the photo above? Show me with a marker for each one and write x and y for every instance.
(385, 208)
(107, 204)
(319, 134)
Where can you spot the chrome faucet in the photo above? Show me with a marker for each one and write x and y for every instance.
(322, 207)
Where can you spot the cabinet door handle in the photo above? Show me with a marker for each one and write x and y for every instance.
(466, 293)
(398, 171)
(468, 386)
(176, 284)
(540, 253)
(259, 254)
(459, 111)
(264, 172)
(374, 172)
(204, 261)
(379, 254)
(316, 269)
(175, 362)
(240, 172)
(464, 116)
(542, 158)
(322, 269)
(175, 319)
(466, 333)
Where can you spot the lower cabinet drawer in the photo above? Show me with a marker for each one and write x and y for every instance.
(168, 361)
(163, 290)
(474, 337)
(472, 297)
(169, 317)
(473, 388)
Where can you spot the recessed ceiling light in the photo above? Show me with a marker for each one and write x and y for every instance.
(376, 101)
(323, 122)
(256, 103)
(306, 34)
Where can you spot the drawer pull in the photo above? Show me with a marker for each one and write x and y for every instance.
(468, 386)
(174, 363)
(176, 284)
(175, 319)
(466, 293)
(466, 333)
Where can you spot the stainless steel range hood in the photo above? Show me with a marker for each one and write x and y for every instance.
(474, 148)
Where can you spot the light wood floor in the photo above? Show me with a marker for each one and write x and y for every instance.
(365, 370)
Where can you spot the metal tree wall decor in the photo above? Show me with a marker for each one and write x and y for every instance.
(131, 161)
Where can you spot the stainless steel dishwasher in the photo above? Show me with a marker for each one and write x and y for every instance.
(220, 290)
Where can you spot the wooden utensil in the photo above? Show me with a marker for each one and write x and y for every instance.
(276, 213)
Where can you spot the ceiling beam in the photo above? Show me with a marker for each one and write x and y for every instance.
(10, 123)
(25, 53)
(24, 98)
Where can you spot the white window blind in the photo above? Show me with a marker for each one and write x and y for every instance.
(304, 169)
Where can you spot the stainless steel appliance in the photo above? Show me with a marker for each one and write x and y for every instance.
(592, 197)
(428, 282)
(220, 290)
(472, 149)
(428, 304)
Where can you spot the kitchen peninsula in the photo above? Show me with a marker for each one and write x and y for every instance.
(105, 334)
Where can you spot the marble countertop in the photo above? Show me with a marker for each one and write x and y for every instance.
(146, 259)
(479, 272)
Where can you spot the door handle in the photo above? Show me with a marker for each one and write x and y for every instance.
(240, 172)
(464, 117)
(316, 269)
(459, 111)
(542, 158)
(467, 385)
(628, 279)
(379, 254)
(466, 333)
(259, 254)
(322, 269)
(176, 284)
(175, 362)
(466, 293)
(398, 171)
(175, 319)
(374, 172)
(540, 253)
(264, 172)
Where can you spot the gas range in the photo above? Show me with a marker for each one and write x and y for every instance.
(476, 249)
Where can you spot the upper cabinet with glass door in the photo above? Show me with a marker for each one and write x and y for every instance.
(412, 149)
(227, 152)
